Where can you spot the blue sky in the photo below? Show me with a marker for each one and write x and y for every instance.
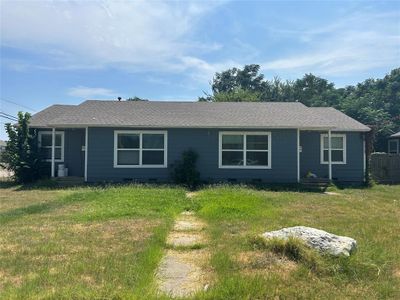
(68, 51)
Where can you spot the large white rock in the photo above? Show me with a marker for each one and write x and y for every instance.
(320, 240)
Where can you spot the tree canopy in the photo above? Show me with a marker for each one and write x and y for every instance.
(374, 102)
(21, 155)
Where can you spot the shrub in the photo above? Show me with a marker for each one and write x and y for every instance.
(185, 171)
(21, 155)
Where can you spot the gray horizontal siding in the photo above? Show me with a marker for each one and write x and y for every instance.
(74, 139)
(205, 143)
(311, 159)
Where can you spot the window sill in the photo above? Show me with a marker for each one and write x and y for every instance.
(334, 163)
(246, 167)
(140, 166)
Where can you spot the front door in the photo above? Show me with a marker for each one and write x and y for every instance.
(75, 142)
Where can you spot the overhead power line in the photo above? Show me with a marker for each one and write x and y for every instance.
(18, 104)
(8, 115)
(8, 118)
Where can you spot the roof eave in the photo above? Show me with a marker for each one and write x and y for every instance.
(200, 127)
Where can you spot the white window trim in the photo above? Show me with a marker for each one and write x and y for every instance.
(397, 146)
(244, 150)
(41, 133)
(332, 149)
(140, 149)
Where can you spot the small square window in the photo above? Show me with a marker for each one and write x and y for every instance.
(338, 151)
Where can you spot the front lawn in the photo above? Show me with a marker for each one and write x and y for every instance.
(107, 242)
(371, 216)
(83, 243)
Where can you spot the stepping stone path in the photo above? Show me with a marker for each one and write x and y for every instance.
(182, 271)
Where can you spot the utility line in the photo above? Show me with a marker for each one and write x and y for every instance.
(8, 115)
(15, 103)
(8, 118)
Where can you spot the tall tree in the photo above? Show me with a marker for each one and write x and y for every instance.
(374, 102)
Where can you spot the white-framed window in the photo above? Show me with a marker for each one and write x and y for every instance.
(140, 149)
(45, 145)
(393, 146)
(244, 150)
(338, 149)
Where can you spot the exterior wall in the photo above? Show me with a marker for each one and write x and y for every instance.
(205, 143)
(74, 157)
(310, 157)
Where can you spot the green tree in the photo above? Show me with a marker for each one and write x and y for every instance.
(21, 155)
(136, 99)
(238, 95)
(374, 102)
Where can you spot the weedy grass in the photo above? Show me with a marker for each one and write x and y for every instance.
(237, 215)
(106, 242)
(84, 242)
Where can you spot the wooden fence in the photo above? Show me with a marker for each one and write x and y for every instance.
(385, 168)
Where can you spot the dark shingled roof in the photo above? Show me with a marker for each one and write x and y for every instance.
(158, 114)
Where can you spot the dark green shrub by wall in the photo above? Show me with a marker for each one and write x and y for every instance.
(185, 171)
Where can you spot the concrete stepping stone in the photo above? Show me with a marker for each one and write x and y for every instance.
(185, 239)
(180, 274)
(187, 213)
(183, 273)
(188, 225)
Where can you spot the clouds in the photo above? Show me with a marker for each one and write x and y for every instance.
(91, 92)
(132, 35)
(160, 38)
(359, 42)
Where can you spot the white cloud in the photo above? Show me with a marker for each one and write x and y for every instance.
(360, 42)
(91, 92)
(132, 35)
(158, 36)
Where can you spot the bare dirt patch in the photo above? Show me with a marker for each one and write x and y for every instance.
(332, 194)
(264, 262)
(191, 195)
(396, 272)
(6, 278)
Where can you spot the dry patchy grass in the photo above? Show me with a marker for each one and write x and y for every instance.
(85, 243)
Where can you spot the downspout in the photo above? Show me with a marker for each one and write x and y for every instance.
(298, 155)
(364, 159)
(329, 154)
(86, 152)
(53, 151)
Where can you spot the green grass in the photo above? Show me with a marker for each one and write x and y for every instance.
(94, 242)
(85, 242)
(237, 215)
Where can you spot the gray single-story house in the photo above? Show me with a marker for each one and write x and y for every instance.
(271, 142)
(394, 143)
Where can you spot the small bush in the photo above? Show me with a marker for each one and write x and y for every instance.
(185, 171)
